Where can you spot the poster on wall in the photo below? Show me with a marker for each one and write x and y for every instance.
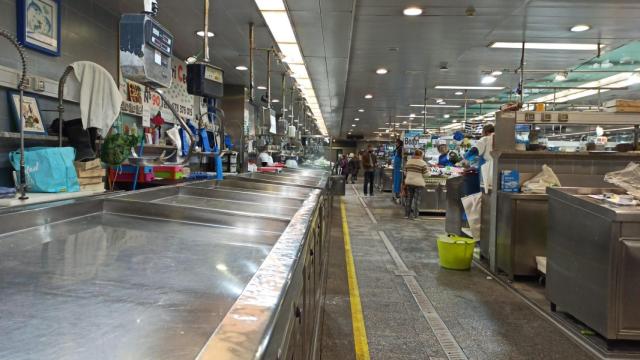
(32, 119)
(177, 95)
(39, 25)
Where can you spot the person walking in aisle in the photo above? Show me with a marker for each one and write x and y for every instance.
(353, 167)
(397, 169)
(369, 162)
(415, 170)
(341, 165)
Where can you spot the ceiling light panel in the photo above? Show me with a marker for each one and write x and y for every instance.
(545, 46)
(270, 5)
(277, 18)
(280, 26)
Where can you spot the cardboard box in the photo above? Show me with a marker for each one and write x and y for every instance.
(91, 173)
(88, 165)
(93, 187)
(90, 180)
(622, 103)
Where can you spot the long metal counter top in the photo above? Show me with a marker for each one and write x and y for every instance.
(182, 272)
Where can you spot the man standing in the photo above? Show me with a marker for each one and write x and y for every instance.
(369, 161)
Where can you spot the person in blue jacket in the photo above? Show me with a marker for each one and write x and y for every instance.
(443, 160)
(397, 168)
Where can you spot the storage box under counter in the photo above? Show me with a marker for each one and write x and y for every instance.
(593, 265)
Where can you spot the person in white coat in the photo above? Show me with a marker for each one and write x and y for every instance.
(485, 147)
(264, 159)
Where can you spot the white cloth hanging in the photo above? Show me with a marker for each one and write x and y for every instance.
(100, 98)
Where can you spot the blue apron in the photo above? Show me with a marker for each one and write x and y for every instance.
(397, 173)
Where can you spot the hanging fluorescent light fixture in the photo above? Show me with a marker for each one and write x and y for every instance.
(620, 80)
(277, 18)
(437, 106)
(455, 87)
(545, 46)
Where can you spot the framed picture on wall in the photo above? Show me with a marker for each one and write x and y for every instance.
(33, 123)
(39, 25)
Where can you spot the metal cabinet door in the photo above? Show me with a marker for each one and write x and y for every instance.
(309, 297)
(628, 296)
(294, 338)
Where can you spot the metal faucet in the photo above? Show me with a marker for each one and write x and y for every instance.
(21, 84)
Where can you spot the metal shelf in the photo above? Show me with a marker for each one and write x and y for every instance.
(7, 135)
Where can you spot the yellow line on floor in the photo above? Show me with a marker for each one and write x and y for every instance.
(357, 319)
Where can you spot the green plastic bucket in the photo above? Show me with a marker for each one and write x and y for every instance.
(455, 252)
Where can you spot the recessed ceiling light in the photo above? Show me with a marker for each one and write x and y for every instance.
(545, 46)
(368, 96)
(242, 68)
(446, 116)
(459, 93)
(356, 119)
(488, 79)
(581, 28)
(354, 125)
(262, 87)
(404, 122)
(382, 71)
(275, 101)
(456, 87)
(412, 11)
(201, 33)
(361, 110)
(496, 73)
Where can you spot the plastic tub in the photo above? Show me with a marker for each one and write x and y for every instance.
(455, 252)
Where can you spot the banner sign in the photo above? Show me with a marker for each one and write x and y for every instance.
(177, 95)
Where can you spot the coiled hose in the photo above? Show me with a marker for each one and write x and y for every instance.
(21, 84)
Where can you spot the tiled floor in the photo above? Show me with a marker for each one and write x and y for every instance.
(488, 321)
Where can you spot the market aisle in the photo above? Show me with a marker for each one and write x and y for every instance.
(486, 320)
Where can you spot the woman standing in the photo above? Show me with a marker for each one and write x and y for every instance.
(415, 170)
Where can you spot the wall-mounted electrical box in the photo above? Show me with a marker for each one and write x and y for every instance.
(145, 50)
(205, 80)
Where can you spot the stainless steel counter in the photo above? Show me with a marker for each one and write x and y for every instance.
(593, 261)
(315, 182)
(434, 196)
(218, 270)
(384, 179)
